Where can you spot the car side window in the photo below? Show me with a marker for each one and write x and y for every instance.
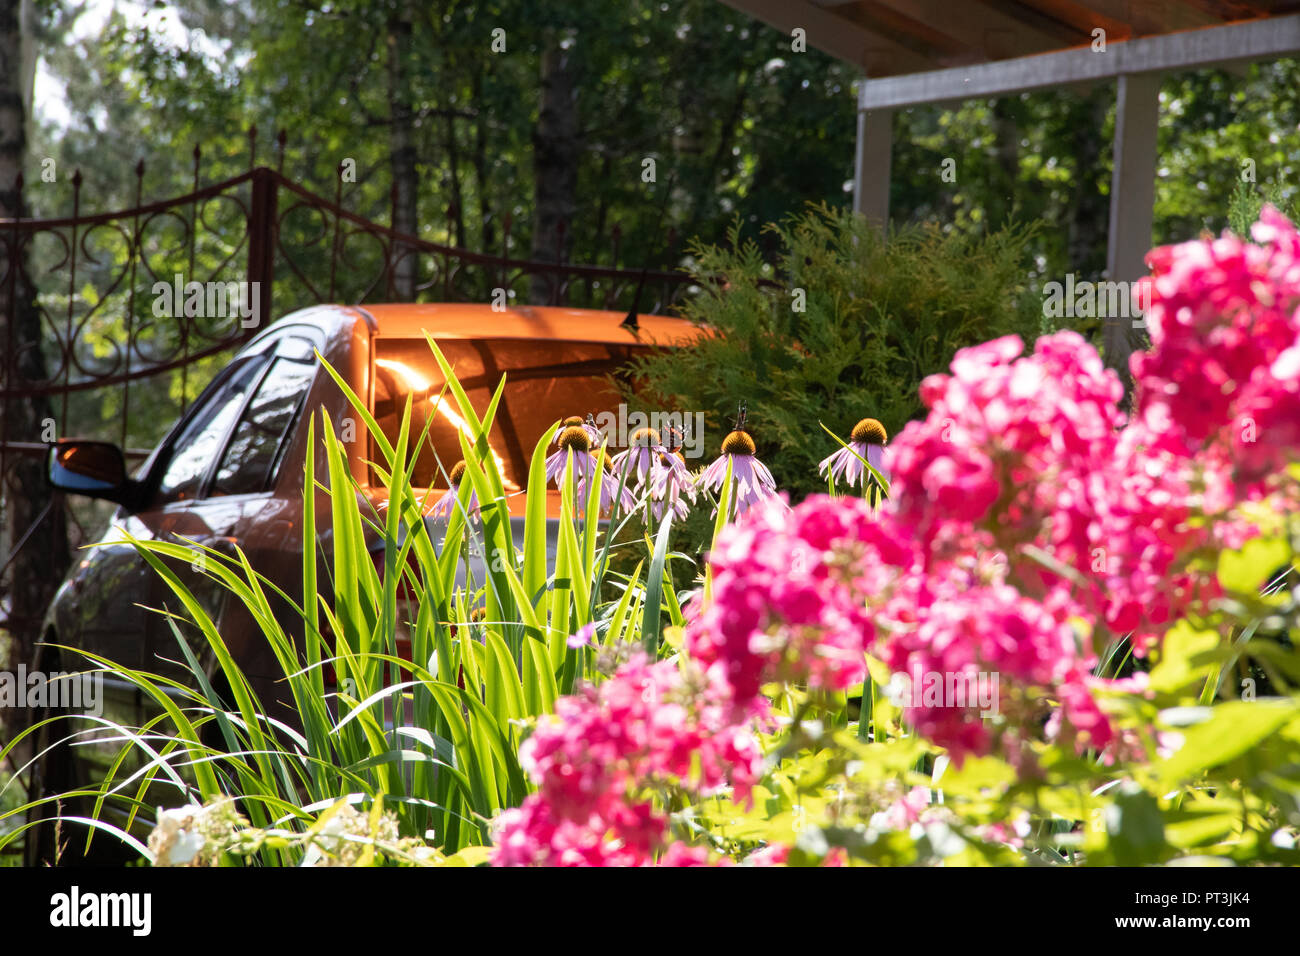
(249, 459)
(192, 453)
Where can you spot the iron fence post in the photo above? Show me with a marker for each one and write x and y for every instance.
(261, 238)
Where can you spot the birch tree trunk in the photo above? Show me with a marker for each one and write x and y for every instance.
(25, 497)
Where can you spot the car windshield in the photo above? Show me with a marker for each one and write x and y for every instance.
(546, 381)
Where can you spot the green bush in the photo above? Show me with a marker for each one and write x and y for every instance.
(1247, 200)
(844, 327)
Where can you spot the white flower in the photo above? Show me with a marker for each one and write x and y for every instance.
(175, 840)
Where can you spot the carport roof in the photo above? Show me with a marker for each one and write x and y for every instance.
(894, 38)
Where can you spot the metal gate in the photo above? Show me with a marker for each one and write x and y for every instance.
(104, 354)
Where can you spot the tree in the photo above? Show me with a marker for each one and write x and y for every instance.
(556, 148)
(29, 510)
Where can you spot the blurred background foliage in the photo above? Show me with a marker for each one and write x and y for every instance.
(742, 128)
(526, 111)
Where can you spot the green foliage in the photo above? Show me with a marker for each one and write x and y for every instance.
(1218, 129)
(1246, 201)
(876, 318)
(1044, 156)
(704, 90)
(709, 94)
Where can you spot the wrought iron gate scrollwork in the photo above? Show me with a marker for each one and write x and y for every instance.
(102, 334)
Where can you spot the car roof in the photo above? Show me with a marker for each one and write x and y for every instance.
(479, 321)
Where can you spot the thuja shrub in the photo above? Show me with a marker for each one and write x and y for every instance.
(1247, 200)
(844, 325)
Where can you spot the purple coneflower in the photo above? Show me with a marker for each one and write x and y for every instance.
(866, 441)
(670, 483)
(444, 506)
(752, 482)
(577, 421)
(578, 439)
(636, 463)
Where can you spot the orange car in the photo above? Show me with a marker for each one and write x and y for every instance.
(230, 472)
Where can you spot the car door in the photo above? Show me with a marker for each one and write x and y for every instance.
(234, 502)
(104, 604)
(100, 609)
(177, 482)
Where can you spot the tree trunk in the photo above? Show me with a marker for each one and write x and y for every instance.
(556, 147)
(1089, 213)
(707, 186)
(38, 567)
(402, 152)
(1006, 131)
(487, 226)
(457, 197)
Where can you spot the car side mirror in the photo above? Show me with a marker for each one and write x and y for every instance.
(96, 469)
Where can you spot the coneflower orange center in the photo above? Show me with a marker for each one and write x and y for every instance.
(457, 471)
(573, 420)
(644, 438)
(869, 431)
(575, 437)
(738, 443)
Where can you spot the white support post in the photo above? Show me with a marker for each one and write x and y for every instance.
(1132, 200)
(871, 168)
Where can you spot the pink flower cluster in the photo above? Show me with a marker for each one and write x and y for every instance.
(777, 854)
(1217, 417)
(787, 600)
(802, 595)
(601, 754)
(1014, 447)
(1224, 370)
(973, 632)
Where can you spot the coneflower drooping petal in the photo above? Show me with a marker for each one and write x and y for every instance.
(577, 439)
(751, 480)
(608, 489)
(670, 486)
(634, 465)
(442, 508)
(845, 464)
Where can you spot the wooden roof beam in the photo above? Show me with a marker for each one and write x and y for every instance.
(876, 55)
(989, 32)
(1191, 49)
